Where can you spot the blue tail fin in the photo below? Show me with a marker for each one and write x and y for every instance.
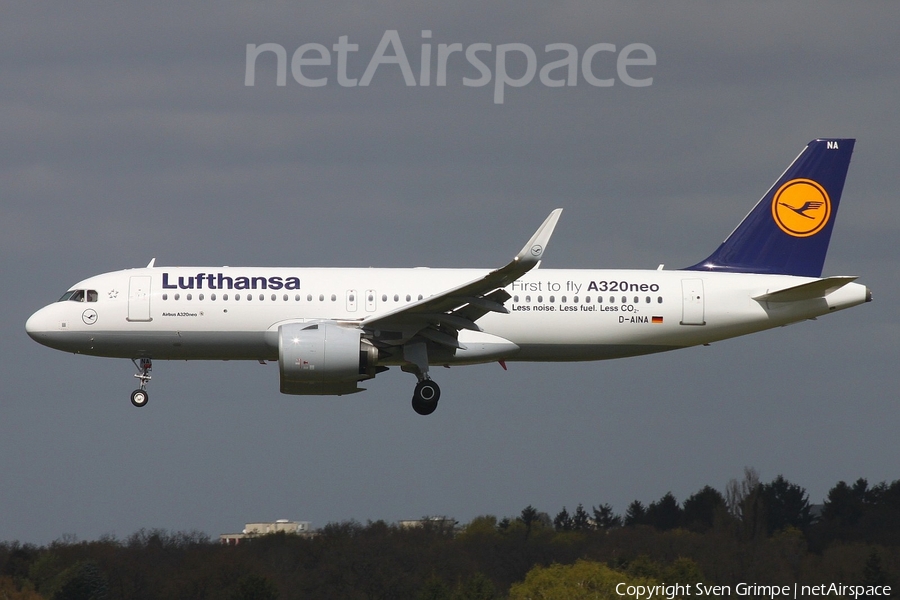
(788, 231)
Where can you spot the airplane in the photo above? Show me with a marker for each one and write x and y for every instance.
(329, 329)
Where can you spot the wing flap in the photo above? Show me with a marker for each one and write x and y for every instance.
(477, 307)
(444, 339)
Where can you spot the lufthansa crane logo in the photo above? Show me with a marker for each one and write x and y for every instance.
(801, 208)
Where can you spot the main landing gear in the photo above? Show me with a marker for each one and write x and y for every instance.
(139, 397)
(425, 397)
(427, 393)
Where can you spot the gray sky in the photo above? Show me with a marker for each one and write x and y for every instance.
(128, 133)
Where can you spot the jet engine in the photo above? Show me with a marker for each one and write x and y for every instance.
(324, 358)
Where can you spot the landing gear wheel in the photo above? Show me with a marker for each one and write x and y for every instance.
(425, 397)
(139, 398)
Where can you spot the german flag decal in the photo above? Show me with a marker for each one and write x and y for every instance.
(656, 320)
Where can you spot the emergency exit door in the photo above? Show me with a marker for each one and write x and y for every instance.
(692, 307)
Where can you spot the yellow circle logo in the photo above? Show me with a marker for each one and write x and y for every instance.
(801, 207)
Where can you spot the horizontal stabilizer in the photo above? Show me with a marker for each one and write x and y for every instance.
(806, 291)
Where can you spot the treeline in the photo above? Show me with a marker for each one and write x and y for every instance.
(753, 532)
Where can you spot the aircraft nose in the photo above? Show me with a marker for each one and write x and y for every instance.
(36, 325)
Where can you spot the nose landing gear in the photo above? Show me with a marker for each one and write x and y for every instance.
(140, 397)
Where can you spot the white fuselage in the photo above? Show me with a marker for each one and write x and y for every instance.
(234, 313)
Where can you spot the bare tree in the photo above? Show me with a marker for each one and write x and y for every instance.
(738, 491)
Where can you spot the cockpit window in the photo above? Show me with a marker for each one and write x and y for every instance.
(79, 296)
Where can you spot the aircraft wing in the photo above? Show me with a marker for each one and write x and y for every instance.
(439, 317)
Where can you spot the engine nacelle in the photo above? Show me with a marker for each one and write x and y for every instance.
(323, 358)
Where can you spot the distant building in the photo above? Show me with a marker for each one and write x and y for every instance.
(254, 530)
(437, 522)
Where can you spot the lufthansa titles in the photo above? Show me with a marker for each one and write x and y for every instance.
(220, 281)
